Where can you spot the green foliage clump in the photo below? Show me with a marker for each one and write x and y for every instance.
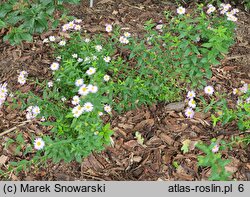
(23, 18)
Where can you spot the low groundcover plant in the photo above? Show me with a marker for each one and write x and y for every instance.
(93, 75)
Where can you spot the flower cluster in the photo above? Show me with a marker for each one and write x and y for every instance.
(32, 112)
(3, 93)
(240, 91)
(211, 9)
(124, 39)
(189, 112)
(22, 77)
(224, 9)
(72, 25)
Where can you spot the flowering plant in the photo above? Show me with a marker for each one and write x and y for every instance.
(214, 160)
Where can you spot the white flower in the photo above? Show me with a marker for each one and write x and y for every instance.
(159, 27)
(107, 108)
(108, 28)
(107, 59)
(91, 71)
(35, 110)
(189, 113)
(92, 89)
(24, 73)
(106, 78)
(21, 79)
(77, 20)
(181, 10)
(29, 116)
(58, 58)
(192, 103)
(191, 94)
(235, 91)
(244, 88)
(39, 143)
(123, 40)
(211, 9)
(54, 66)
(46, 40)
(50, 84)
(42, 119)
(127, 34)
(231, 17)
(77, 27)
(62, 43)
(248, 100)
(79, 60)
(215, 148)
(234, 11)
(63, 99)
(75, 100)
(83, 90)
(88, 107)
(74, 55)
(29, 109)
(100, 113)
(98, 48)
(79, 82)
(239, 102)
(65, 27)
(52, 38)
(87, 59)
(87, 40)
(94, 57)
(77, 111)
(71, 25)
(209, 90)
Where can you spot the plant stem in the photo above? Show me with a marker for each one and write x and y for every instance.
(91, 3)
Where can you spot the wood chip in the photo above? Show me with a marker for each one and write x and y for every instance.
(3, 160)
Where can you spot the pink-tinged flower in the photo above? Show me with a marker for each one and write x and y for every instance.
(77, 27)
(244, 88)
(189, 112)
(159, 27)
(248, 100)
(181, 10)
(39, 143)
(191, 94)
(79, 82)
(75, 100)
(215, 148)
(77, 20)
(108, 28)
(65, 27)
(209, 90)
(71, 25)
(192, 103)
(211, 9)
(54, 66)
(92, 89)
